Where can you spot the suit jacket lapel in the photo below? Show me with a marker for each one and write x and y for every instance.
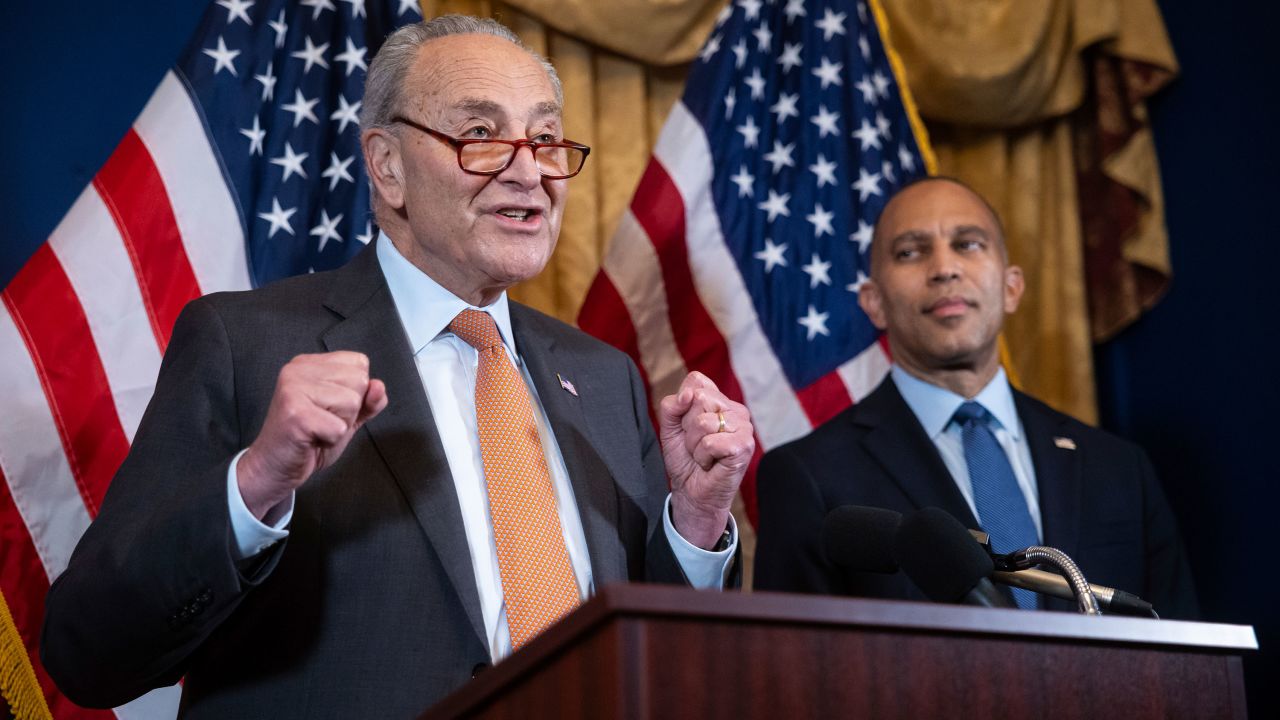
(1057, 473)
(896, 440)
(589, 464)
(404, 433)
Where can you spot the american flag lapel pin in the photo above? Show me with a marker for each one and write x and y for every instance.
(1065, 443)
(567, 385)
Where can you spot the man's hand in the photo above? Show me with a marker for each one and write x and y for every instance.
(705, 460)
(319, 403)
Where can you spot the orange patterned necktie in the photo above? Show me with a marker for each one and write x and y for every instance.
(537, 580)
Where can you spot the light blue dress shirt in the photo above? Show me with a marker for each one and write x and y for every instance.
(934, 407)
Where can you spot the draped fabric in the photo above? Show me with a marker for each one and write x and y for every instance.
(1039, 104)
(20, 694)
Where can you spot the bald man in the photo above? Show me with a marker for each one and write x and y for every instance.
(941, 285)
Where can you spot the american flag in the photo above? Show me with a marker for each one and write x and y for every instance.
(243, 167)
(744, 248)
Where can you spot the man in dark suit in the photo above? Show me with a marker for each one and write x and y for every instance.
(303, 525)
(940, 287)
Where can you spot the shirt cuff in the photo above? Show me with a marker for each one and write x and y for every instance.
(706, 570)
(251, 536)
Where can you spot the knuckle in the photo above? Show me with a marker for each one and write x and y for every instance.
(358, 358)
(290, 409)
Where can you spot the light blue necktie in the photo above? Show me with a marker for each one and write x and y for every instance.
(1002, 509)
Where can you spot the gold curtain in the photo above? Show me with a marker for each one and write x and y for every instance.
(1039, 104)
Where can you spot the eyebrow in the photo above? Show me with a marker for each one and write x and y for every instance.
(965, 229)
(908, 236)
(921, 235)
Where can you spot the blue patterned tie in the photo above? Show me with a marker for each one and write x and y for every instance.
(1002, 509)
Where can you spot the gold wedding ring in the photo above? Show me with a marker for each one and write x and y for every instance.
(720, 415)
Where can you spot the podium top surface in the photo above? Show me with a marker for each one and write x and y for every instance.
(669, 601)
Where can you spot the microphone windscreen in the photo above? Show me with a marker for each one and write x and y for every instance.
(860, 539)
(939, 555)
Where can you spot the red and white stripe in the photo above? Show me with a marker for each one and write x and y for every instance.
(670, 294)
(83, 326)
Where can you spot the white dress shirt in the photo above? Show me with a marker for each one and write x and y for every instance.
(934, 407)
(447, 367)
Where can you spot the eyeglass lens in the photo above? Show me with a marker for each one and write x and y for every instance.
(492, 157)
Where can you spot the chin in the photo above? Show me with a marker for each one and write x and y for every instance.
(964, 356)
(514, 264)
(509, 275)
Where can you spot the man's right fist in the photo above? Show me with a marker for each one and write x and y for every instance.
(319, 403)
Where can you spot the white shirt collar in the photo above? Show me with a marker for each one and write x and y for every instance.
(425, 307)
(934, 406)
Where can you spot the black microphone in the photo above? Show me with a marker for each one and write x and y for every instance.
(944, 561)
(860, 539)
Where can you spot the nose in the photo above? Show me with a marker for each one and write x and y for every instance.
(523, 170)
(944, 266)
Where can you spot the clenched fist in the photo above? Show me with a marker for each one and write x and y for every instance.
(707, 444)
(319, 403)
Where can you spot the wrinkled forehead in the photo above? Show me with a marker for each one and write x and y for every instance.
(480, 74)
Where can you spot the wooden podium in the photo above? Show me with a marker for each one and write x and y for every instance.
(647, 651)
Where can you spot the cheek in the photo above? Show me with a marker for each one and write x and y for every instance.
(438, 202)
(557, 193)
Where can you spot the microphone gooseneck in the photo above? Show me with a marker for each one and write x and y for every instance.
(1086, 601)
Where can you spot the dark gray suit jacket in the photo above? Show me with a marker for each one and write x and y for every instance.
(1099, 501)
(369, 608)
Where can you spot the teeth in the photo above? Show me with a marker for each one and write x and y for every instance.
(515, 214)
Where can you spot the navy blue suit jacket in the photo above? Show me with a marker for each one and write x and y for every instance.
(1100, 501)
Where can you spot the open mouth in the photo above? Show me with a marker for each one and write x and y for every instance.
(519, 214)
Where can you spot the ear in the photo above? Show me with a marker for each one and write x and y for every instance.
(872, 303)
(383, 164)
(1014, 285)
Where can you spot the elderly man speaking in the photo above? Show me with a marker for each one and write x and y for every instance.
(354, 489)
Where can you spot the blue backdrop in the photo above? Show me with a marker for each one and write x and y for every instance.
(62, 116)
(1195, 380)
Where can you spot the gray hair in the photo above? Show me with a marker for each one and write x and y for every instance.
(384, 84)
